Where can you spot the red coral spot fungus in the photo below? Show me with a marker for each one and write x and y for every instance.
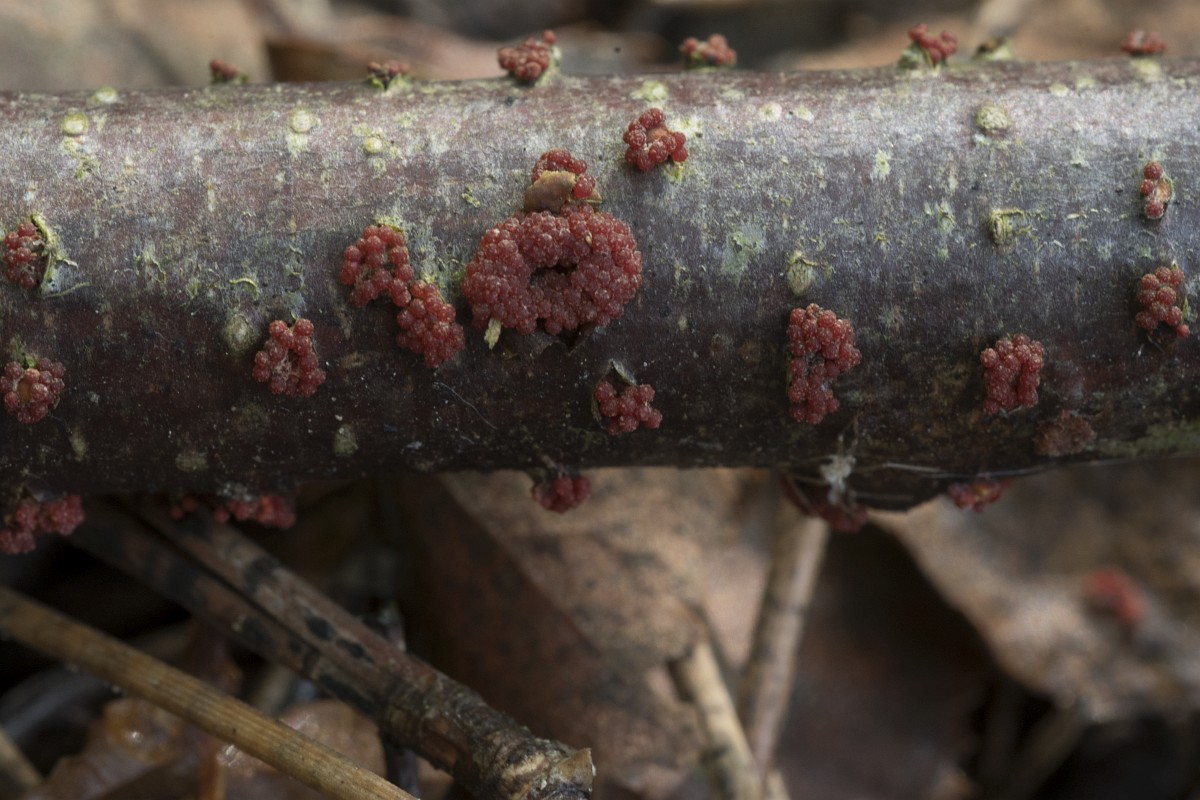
(1011, 373)
(715, 52)
(822, 348)
(32, 389)
(288, 362)
(1064, 436)
(1160, 295)
(627, 410)
(386, 73)
(561, 492)
(527, 61)
(651, 142)
(427, 325)
(365, 266)
(224, 72)
(271, 510)
(580, 267)
(977, 494)
(1143, 43)
(557, 179)
(1157, 188)
(25, 256)
(1110, 590)
(936, 49)
(36, 515)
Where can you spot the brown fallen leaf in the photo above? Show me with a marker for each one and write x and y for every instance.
(1083, 583)
(567, 621)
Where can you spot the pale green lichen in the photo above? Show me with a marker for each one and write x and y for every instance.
(105, 96)
(75, 124)
(79, 445)
(300, 125)
(239, 335)
(800, 272)
(1005, 224)
(770, 111)
(803, 113)
(651, 91)
(741, 246)
(191, 460)
(1161, 439)
(992, 119)
(1059, 89)
(883, 165)
(345, 443)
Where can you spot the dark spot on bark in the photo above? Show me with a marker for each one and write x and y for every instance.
(355, 649)
(259, 570)
(319, 628)
(254, 634)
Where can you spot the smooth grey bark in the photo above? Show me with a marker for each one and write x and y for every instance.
(192, 218)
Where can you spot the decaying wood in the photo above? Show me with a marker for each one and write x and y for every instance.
(224, 578)
(937, 210)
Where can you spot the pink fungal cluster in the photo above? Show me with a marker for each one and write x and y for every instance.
(1157, 188)
(527, 61)
(977, 494)
(559, 178)
(1110, 590)
(384, 74)
(224, 72)
(651, 142)
(1143, 43)
(561, 492)
(377, 264)
(935, 48)
(271, 510)
(567, 269)
(714, 52)
(627, 410)
(822, 348)
(1160, 296)
(36, 515)
(427, 325)
(31, 390)
(1011, 373)
(25, 256)
(287, 362)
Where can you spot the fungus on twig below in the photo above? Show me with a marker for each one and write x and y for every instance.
(561, 491)
(25, 255)
(32, 389)
(926, 48)
(1157, 188)
(36, 515)
(822, 348)
(1011, 373)
(626, 411)
(977, 494)
(1161, 298)
(1143, 43)
(287, 361)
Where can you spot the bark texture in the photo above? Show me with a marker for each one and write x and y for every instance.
(935, 210)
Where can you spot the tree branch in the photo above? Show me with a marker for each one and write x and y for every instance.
(936, 211)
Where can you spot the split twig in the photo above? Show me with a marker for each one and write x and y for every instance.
(17, 774)
(223, 716)
(224, 578)
(698, 679)
(766, 684)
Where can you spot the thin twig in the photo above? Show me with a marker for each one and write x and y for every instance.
(17, 774)
(766, 684)
(225, 717)
(698, 679)
(414, 705)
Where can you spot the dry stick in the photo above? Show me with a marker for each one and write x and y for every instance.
(766, 685)
(698, 679)
(225, 717)
(935, 210)
(446, 723)
(17, 774)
